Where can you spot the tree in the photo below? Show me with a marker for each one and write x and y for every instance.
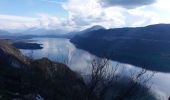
(104, 77)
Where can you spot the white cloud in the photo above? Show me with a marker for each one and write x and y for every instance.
(153, 14)
(162, 5)
(86, 13)
(13, 22)
(90, 12)
(9, 22)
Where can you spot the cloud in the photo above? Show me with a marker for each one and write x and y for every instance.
(14, 22)
(20, 23)
(91, 12)
(126, 3)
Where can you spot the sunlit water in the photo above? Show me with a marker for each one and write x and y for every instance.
(62, 50)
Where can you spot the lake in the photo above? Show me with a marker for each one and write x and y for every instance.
(62, 50)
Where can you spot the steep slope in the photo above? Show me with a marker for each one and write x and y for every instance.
(26, 79)
(142, 46)
(11, 55)
(57, 81)
(83, 32)
(94, 28)
(46, 80)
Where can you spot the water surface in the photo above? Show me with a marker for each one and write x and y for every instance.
(62, 50)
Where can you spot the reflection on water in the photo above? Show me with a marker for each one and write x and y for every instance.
(61, 50)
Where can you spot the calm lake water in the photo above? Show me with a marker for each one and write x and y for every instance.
(62, 50)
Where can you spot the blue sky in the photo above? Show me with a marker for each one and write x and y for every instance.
(72, 15)
(32, 7)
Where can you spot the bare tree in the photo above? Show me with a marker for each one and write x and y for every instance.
(138, 86)
(104, 76)
(30, 55)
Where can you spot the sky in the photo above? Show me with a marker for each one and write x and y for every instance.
(74, 15)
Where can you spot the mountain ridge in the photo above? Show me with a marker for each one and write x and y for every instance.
(140, 46)
(23, 78)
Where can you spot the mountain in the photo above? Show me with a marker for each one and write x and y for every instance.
(88, 30)
(83, 32)
(25, 79)
(4, 34)
(147, 47)
(94, 28)
(10, 35)
(42, 31)
(11, 56)
(35, 32)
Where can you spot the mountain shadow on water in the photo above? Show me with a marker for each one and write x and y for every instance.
(147, 47)
(22, 78)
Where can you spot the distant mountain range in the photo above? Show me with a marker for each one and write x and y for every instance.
(41, 32)
(94, 28)
(4, 34)
(23, 78)
(147, 47)
(34, 32)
